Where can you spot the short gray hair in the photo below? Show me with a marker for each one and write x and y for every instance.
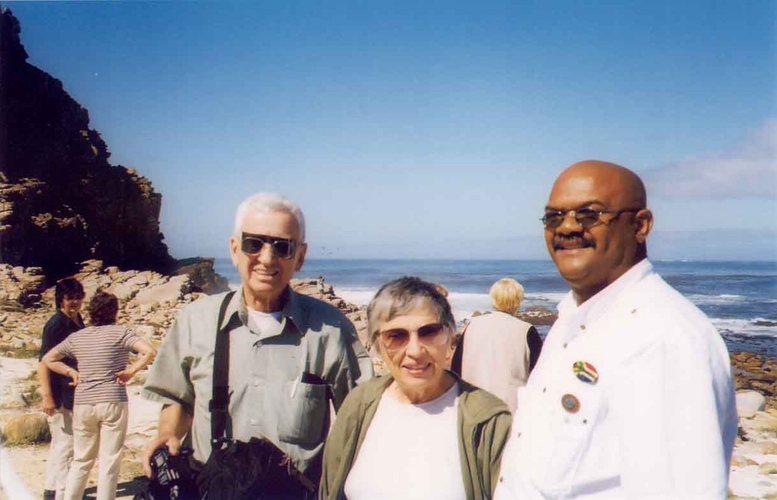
(401, 296)
(262, 203)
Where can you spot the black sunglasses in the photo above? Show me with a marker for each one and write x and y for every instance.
(586, 217)
(252, 244)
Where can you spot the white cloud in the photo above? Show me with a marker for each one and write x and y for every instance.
(749, 170)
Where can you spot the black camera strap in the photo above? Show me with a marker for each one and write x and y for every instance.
(219, 404)
(220, 421)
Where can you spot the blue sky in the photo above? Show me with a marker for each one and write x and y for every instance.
(429, 129)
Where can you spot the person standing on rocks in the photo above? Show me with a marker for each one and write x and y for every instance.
(289, 355)
(56, 392)
(101, 408)
(632, 396)
(496, 350)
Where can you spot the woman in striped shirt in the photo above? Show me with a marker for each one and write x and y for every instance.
(100, 411)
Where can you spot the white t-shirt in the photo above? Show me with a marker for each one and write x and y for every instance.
(410, 452)
(263, 322)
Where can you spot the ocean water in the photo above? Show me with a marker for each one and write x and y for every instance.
(739, 297)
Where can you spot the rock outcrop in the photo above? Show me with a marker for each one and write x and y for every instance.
(61, 201)
(756, 373)
(202, 275)
(319, 289)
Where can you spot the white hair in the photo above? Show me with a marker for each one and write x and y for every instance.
(262, 203)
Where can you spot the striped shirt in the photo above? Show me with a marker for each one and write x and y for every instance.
(101, 352)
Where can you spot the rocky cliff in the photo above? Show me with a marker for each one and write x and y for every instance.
(61, 201)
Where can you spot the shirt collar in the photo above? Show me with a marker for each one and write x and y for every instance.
(592, 308)
(68, 319)
(292, 309)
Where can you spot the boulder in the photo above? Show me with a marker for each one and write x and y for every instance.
(171, 291)
(537, 315)
(749, 402)
(202, 275)
(21, 285)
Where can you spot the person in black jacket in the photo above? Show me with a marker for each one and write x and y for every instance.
(56, 390)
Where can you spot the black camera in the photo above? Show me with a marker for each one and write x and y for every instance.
(172, 477)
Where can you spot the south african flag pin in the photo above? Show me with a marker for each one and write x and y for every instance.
(585, 371)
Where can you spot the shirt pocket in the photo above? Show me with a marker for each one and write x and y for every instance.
(556, 441)
(305, 421)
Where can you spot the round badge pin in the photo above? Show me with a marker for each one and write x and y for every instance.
(585, 372)
(570, 403)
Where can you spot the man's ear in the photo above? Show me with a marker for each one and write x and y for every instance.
(234, 248)
(303, 250)
(644, 220)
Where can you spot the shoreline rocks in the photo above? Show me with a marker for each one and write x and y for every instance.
(756, 373)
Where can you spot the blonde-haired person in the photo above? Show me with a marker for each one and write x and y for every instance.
(499, 350)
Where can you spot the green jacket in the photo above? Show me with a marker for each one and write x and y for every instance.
(484, 425)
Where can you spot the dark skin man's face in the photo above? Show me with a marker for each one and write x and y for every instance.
(589, 259)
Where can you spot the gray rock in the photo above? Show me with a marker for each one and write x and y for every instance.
(749, 402)
(123, 292)
(173, 290)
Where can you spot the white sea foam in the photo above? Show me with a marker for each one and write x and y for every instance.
(715, 300)
(745, 326)
(545, 297)
(358, 297)
(464, 304)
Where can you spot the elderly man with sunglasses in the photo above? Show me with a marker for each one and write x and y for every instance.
(632, 397)
(289, 354)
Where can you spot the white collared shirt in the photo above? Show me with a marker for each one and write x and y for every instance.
(652, 415)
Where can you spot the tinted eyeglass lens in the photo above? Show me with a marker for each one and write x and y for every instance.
(552, 220)
(394, 339)
(282, 248)
(252, 246)
(433, 334)
(586, 217)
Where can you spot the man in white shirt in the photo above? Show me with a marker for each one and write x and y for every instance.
(632, 396)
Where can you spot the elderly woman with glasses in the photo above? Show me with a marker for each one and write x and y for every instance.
(419, 432)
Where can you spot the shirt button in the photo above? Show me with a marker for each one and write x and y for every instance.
(582, 327)
(253, 421)
(501, 479)
(565, 345)
(256, 382)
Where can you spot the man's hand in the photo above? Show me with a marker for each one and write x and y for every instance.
(47, 404)
(173, 446)
(174, 423)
